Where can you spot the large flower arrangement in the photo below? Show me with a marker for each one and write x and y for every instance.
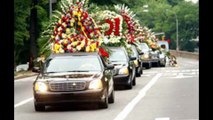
(129, 22)
(74, 30)
(110, 23)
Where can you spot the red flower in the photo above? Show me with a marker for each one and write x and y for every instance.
(111, 27)
(103, 52)
(117, 23)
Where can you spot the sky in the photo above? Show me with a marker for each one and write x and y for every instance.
(192, 0)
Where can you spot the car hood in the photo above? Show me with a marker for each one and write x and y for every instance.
(71, 76)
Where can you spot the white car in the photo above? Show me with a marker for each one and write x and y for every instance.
(22, 67)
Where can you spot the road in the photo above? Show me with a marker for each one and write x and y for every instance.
(169, 93)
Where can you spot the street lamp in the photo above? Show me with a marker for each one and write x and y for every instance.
(177, 40)
(50, 7)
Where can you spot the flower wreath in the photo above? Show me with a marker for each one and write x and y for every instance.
(74, 30)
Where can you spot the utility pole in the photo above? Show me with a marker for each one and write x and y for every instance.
(177, 40)
(33, 31)
(51, 8)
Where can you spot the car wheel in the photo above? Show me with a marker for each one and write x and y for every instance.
(158, 64)
(163, 65)
(39, 107)
(134, 81)
(138, 73)
(149, 66)
(142, 71)
(112, 97)
(104, 104)
(129, 86)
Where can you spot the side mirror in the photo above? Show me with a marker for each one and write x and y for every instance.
(132, 58)
(36, 69)
(141, 53)
(110, 66)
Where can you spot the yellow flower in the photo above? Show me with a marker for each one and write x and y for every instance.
(65, 41)
(68, 31)
(93, 47)
(52, 36)
(79, 23)
(57, 47)
(74, 43)
(88, 49)
(75, 13)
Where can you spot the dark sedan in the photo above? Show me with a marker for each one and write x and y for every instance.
(124, 72)
(138, 62)
(74, 77)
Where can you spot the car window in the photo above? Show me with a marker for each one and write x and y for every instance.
(144, 47)
(134, 52)
(118, 55)
(75, 63)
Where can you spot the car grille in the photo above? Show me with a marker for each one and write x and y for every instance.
(67, 86)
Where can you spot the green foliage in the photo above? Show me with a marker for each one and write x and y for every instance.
(21, 30)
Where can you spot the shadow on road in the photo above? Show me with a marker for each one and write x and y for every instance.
(72, 107)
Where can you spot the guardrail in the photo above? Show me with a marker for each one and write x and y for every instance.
(185, 54)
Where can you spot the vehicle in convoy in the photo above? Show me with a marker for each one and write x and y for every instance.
(124, 71)
(146, 57)
(158, 58)
(164, 45)
(138, 62)
(73, 77)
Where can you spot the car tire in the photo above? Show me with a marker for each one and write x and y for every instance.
(158, 64)
(129, 86)
(138, 73)
(134, 81)
(149, 66)
(112, 97)
(142, 71)
(39, 107)
(104, 104)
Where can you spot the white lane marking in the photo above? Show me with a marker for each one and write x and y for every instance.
(23, 102)
(180, 75)
(165, 118)
(122, 115)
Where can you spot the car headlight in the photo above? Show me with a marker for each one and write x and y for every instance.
(124, 71)
(136, 62)
(146, 56)
(40, 86)
(96, 84)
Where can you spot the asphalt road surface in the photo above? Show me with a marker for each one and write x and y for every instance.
(161, 93)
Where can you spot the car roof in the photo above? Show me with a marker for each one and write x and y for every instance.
(53, 55)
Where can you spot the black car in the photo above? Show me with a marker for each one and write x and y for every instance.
(74, 77)
(146, 57)
(124, 71)
(138, 62)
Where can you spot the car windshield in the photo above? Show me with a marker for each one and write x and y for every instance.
(73, 64)
(118, 55)
(144, 47)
